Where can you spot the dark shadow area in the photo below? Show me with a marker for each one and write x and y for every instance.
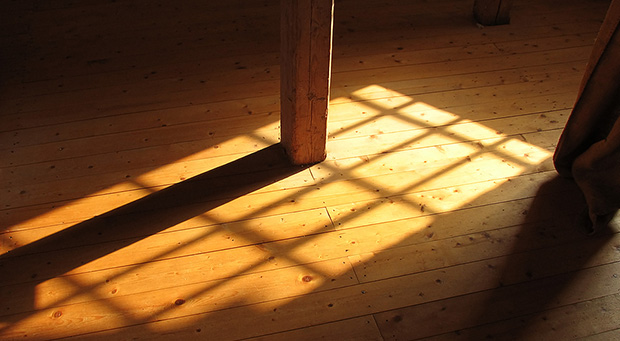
(104, 234)
(122, 91)
(524, 270)
(552, 250)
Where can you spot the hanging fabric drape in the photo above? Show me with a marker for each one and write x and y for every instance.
(589, 147)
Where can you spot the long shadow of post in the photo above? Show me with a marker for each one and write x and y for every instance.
(26, 267)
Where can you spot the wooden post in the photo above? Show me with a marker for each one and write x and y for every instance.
(305, 67)
(492, 12)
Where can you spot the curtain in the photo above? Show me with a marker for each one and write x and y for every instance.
(589, 147)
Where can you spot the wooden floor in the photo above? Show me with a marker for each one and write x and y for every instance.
(144, 195)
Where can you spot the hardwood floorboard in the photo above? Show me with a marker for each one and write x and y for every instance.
(468, 154)
(359, 328)
(607, 335)
(145, 195)
(492, 307)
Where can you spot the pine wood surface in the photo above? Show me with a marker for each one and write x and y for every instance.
(145, 195)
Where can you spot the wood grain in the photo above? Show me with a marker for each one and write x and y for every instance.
(145, 192)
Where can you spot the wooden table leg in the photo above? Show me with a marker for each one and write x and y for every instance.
(305, 67)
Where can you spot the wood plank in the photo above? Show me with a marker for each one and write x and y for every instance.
(390, 233)
(415, 118)
(193, 57)
(306, 195)
(113, 181)
(242, 70)
(401, 140)
(76, 319)
(581, 320)
(418, 115)
(173, 93)
(406, 55)
(298, 187)
(17, 275)
(38, 130)
(171, 66)
(433, 318)
(404, 206)
(537, 15)
(122, 283)
(154, 118)
(353, 301)
(534, 234)
(436, 37)
(206, 134)
(491, 63)
(261, 111)
(78, 111)
(607, 335)
(90, 171)
(136, 22)
(461, 82)
(359, 328)
(117, 281)
(546, 21)
(135, 159)
(78, 259)
(210, 236)
(524, 259)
